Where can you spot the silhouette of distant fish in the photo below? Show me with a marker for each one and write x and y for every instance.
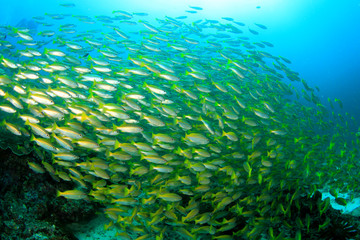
(68, 5)
(196, 8)
(260, 26)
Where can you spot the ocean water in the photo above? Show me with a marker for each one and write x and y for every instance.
(231, 97)
(320, 38)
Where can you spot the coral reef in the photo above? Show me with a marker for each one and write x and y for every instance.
(28, 204)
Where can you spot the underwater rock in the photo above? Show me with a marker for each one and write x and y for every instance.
(28, 204)
(355, 212)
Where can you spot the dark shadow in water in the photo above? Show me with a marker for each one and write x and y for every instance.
(27, 23)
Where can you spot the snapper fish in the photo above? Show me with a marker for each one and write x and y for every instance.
(72, 194)
(196, 8)
(188, 117)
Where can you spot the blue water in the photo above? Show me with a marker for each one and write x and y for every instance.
(320, 37)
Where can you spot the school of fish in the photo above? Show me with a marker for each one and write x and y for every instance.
(173, 126)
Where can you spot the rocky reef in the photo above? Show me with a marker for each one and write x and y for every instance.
(28, 204)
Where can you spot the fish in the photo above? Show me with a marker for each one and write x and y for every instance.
(42, 98)
(181, 17)
(141, 14)
(7, 108)
(67, 5)
(36, 167)
(196, 138)
(44, 143)
(86, 143)
(65, 156)
(196, 8)
(187, 122)
(68, 132)
(170, 197)
(228, 19)
(11, 128)
(129, 128)
(72, 194)
(153, 121)
(192, 214)
(253, 31)
(260, 26)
